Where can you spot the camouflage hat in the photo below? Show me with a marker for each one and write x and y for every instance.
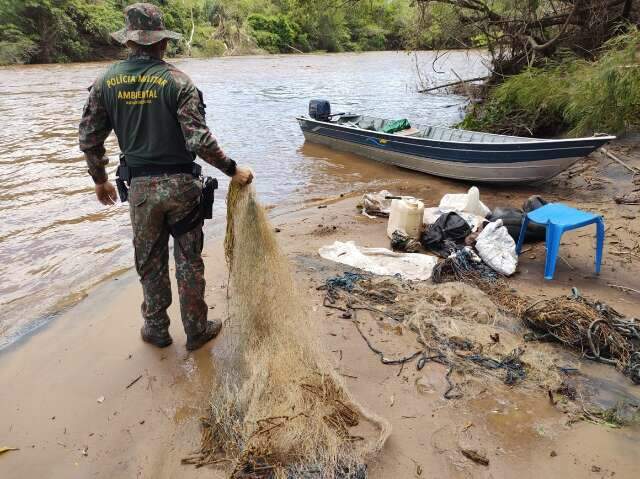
(143, 25)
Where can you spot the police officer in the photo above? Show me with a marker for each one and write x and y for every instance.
(158, 116)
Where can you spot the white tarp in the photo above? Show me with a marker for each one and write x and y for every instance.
(497, 248)
(381, 261)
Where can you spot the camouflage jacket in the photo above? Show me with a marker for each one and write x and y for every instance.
(97, 124)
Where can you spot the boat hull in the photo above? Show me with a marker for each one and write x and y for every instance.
(498, 163)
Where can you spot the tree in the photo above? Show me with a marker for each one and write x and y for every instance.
(517, 33)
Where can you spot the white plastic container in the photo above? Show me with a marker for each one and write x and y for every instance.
(406, 215)
(467, 202)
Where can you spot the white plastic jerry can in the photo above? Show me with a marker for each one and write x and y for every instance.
(406, 215)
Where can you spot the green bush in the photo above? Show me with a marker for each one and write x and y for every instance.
(210, 48)
(15, 46)
(274, 33)
(572, 96)
(205, 44)
(17, 52)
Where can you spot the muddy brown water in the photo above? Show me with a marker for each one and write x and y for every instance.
(56, 241)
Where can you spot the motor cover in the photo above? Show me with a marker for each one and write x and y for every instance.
(320, 110)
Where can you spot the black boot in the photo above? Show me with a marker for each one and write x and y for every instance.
(160, 340)
(211, 331)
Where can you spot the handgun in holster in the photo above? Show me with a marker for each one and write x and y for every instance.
(209, 187)
(123, 179)
(202, 211)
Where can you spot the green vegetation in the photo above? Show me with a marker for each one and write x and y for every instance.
(568, 95)
(53, 30)
(49, 31)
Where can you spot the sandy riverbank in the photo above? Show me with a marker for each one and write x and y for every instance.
(53, 382)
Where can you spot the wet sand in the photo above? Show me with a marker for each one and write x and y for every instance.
(54, 381)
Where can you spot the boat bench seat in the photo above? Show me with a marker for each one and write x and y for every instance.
(409, 132)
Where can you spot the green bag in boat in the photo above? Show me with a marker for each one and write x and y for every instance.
(394, 126)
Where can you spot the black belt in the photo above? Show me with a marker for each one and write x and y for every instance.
(160, 170)
(126, 173)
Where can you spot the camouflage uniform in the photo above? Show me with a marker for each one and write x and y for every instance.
(159, 119)
(155, 202)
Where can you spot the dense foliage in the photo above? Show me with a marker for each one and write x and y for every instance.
(569, 95)
(44, 31)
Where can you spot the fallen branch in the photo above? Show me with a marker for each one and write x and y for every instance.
(607, 153)
(295, 49)
(458, 82)
(624, 288)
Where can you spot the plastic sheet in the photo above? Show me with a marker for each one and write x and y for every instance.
(380, 261)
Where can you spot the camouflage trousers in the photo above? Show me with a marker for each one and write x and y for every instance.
(154, 204)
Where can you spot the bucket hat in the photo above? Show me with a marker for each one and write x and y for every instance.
(143, 25)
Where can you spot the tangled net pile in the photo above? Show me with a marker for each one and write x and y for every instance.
(457, 326)
(279, 411)
(598, 331)
(464, 266)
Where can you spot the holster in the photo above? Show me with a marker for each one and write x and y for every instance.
(209, 187)
(203, 211)
(123, 179)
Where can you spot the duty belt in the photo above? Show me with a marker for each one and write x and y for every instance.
(126, 173)
(195, 217)
(159, 170)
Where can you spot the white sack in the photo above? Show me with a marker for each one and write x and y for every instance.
(467, 202)
(381, 261)
(497, 248)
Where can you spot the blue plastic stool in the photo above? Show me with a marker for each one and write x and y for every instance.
(559, 218)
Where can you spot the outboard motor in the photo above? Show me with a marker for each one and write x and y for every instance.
(320, 110)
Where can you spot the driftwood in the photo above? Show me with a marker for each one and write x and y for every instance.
(608, 154)
(624, 288)
(457, 82)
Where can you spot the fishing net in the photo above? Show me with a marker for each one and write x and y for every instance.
(279, 411)
(456, 325)
(593, 328)
(464, 266)
(596, 330)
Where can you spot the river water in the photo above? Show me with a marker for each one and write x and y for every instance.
(56, 240)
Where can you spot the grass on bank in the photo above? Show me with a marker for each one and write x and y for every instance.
(569, 96)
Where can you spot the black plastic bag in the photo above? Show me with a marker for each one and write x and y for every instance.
(511, 219)
(443, 235)
(535, 232)
(533, 203)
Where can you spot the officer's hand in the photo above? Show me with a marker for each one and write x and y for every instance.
(106, 193)
(243, 176)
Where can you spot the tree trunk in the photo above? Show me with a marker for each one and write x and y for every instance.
(193, 28)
